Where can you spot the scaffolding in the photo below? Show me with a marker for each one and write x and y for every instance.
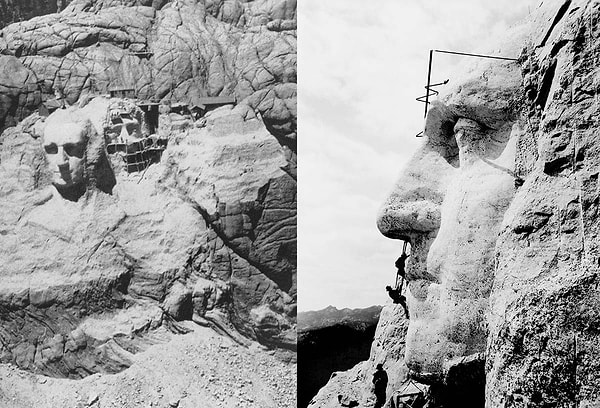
(143, 53)
(122, 92)
(138, 151)
(139, 154)
(410, 395)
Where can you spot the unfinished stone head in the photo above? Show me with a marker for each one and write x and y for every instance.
(75, 152)
(449, 205)
(126, 122)
(500, 205)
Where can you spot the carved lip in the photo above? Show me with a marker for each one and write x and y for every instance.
(65, 175)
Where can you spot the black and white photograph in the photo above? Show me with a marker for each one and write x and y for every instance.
(299, 204)
(148, 203)
(448, 204)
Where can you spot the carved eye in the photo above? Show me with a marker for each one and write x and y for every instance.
(51, 148)
(74, 149)
(467, 124)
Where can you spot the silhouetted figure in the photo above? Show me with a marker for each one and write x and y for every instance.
(400, 264)
(404, 305)
(394, 294)
(350, 404)
(398, 298)
(380, 380)
(401, 274)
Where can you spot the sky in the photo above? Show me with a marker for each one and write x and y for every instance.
(361, 66)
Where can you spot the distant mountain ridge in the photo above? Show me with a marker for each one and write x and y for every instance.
(332, 316)
(331, 340)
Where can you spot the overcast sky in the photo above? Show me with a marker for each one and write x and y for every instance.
(361, 66)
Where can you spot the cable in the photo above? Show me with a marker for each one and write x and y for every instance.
(467, 54)
(433, 92)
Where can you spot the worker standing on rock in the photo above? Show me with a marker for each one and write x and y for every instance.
(380, 380)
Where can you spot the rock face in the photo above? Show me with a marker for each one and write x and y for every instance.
(541, 351)
(500, 206)
(100, 263)
(387, 348)
(198, 369)
(177, 51)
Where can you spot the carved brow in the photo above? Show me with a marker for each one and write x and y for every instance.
(478, 125)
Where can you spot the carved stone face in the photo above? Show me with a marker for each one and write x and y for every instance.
(125, 122)
(65, 145)
(449, 203)
(73, 142)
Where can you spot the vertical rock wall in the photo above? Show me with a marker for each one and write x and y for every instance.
(545, 307)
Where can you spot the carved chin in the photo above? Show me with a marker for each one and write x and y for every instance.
(69, 184)
(69, 190)
(67, 179)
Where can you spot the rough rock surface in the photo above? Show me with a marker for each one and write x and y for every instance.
(199, 369)
(387, 349)
(545, 304)
(176, 51)
(501, 209)
(205, 234)
(218, 208)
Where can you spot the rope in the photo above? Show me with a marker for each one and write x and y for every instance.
(143, 174)
(431, 92)
(399, 277)
(467, 54)
(399, 286)
(575, 368)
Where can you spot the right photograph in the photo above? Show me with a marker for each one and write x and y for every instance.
(449, 229)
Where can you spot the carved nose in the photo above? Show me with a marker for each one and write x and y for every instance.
(404, 219)
(413, 206)
(62, 160)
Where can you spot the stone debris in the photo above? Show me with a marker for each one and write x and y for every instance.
(92, 399)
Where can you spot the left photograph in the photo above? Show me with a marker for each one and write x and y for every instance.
(148, 204)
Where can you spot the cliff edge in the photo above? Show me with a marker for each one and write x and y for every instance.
(500, 206)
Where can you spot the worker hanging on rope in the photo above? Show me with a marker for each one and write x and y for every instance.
(400, 265)
(396, 293)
